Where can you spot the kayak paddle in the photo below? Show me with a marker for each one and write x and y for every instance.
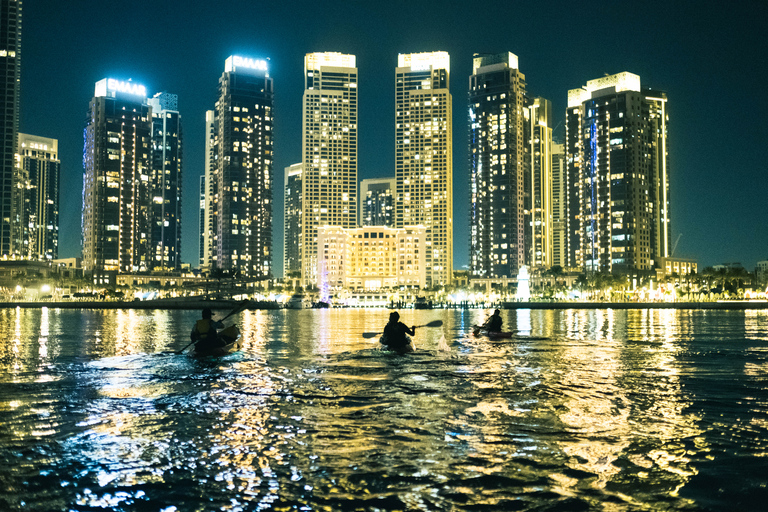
(434, 323)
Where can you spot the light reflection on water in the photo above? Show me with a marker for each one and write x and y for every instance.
(589, 409)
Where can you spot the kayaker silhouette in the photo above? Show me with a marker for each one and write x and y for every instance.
(396, 333)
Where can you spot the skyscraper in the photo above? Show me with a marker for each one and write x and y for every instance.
(423, 156)
(209, 193)
(618, 161)
(201, 216)
(40, 171)
(329, 151)
(559, 207)
(292, 226)
(497, 149)
(165, 182)
(538, 183)
(243, 177)
(377, 202)
(116, 187)
(10, 78)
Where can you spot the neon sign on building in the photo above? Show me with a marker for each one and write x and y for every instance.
(111, 86)
(236, 61)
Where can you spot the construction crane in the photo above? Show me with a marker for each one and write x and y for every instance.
(672, 254)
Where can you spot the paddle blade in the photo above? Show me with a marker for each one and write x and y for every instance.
(434, 323)
(371, 334)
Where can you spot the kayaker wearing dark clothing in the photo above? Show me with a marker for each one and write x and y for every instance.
(494, 323)
(204, 333)
(395, 335)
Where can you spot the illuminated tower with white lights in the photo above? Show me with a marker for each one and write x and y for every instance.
(116, 187)
(423, 156)
(497, 166)
(40, 170)
(617, 157)
(10, 79)
(329, 151)
(538, 183)
(242, 177)
(292, 205)
(165, 182)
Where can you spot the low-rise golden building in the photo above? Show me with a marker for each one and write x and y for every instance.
(372, 257)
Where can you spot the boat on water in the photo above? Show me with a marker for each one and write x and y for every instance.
(298, 301)
(229, 340)
(422, 303)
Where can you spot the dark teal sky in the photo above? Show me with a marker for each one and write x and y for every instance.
(710, 58)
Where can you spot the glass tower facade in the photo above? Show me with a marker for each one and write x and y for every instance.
(242, 176)
(40, 172)
(292, 204)
(116, 187)
(10, 78)
(377, 202)
(617, 159)
(166, 181)
(497, 166)
(424, 156)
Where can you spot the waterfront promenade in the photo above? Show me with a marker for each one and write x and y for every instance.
(230, 304)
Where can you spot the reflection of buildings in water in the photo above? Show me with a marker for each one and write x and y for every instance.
(625, 395)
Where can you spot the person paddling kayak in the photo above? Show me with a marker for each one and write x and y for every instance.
(396, 333)
(204, 333)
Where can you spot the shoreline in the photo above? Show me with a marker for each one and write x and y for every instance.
(230, 304)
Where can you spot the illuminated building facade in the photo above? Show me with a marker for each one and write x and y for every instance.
(377, 202)
(166, 183)
(497, 165)
(559, 207)
(10, 79)
(329, 151)
(292, 205)
(201, 215)
(39, 171)
(242, 176)
(617, 160)
(209, 193)
(423, 156)
(116, 178)
(538, 183)
(373, 257)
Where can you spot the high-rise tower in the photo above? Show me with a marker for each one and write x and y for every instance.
(329, 151)
(292, 205)
(39, 169)
(497, 149)
(209, 195)
(377, 202)
(165, 182)
(538, 183)
(559, 207)
(424, 156)
(617, 159)
(242, 177)
(116, 188)
(10, 77)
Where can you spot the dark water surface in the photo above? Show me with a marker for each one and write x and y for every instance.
(588, 410)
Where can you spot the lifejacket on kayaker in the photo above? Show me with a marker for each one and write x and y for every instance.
(204, 333)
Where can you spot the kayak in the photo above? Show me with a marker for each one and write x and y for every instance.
(479, 331)
(406, 349)
(229, 342)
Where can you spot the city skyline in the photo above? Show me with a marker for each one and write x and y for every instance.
(716, 184)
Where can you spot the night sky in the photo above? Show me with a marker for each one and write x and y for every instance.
(710, 58)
